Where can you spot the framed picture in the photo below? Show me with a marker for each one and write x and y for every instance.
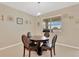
(38, 24)
(1, 17)
(26, 22)
(10, 18)
(19, 20)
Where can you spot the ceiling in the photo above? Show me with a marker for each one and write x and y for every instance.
(38, 8)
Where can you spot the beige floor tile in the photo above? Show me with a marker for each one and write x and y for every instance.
(61, 51)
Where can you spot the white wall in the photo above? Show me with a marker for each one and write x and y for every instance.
(10, 31)
(70, 28)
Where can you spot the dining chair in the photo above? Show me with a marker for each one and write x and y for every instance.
(27, 46)
(51, 47)
(53, 44)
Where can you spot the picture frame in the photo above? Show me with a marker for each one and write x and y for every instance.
(19, 20)
(26, 21)
(2, 17)
(10, 18)
(38, 23)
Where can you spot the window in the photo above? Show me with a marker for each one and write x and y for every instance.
(53, 23)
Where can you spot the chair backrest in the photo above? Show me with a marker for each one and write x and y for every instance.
(25, 41)
(54, 40)
(29, 34)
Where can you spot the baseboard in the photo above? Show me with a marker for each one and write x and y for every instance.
(13, 45)
(67, 45)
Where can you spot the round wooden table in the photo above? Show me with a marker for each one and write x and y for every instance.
(38, 41)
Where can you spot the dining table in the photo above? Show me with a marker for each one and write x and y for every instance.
(38, 40)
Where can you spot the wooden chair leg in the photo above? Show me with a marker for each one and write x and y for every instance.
(29, 53)
(51, 52)
(24, 52)
(54, 51)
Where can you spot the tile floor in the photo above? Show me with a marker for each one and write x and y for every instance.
(61, 51)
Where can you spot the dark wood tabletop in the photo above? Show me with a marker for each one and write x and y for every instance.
(37, 39)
